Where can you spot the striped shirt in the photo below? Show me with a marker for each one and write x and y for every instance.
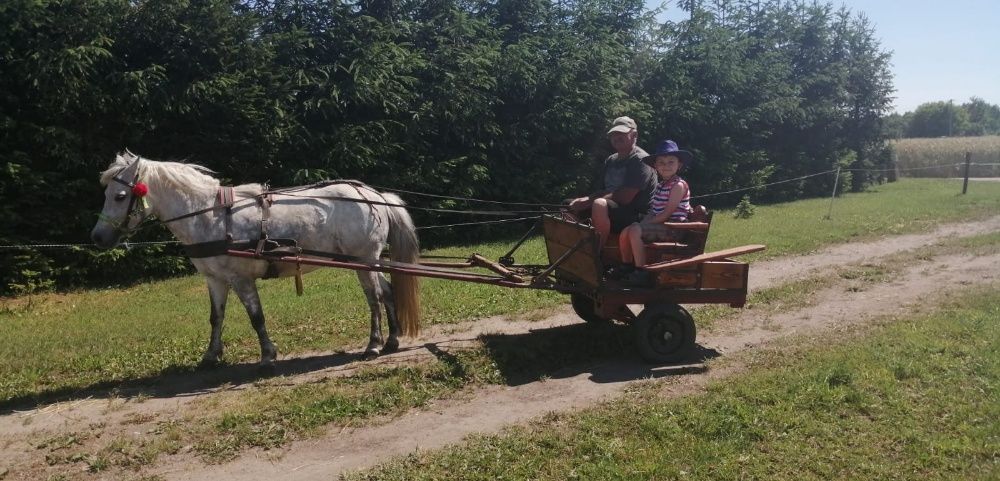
(662, 194)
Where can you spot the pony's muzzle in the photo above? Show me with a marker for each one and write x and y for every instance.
(104, 237)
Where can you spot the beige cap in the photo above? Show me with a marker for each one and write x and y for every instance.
(623, 124)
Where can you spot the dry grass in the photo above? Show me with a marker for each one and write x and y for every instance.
(946, 152)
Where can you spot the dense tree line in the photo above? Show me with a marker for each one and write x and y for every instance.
(946, 119)
(497, 99)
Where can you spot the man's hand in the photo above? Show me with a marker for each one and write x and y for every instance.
(580, 204)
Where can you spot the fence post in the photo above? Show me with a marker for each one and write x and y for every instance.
(836, 179)
(965, 183)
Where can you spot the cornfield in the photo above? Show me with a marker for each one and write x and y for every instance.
(945, 156)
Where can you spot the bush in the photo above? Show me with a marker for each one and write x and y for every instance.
(744, 210)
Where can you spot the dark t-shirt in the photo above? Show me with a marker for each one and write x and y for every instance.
(633, 173)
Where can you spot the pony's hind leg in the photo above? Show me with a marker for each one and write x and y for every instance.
(218, 293)
(246, 289)
(387, 299)
(373, 294)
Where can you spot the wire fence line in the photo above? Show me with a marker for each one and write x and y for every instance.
(743, 189)
(518, 219)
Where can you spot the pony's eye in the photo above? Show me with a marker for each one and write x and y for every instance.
(121, 195)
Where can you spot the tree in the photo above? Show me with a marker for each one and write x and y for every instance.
(500, 99)
(984, 118)
(938, 119)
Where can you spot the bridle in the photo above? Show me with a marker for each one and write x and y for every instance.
(135, 207)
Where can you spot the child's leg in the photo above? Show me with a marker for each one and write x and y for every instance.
(625, 244)
(638, 247)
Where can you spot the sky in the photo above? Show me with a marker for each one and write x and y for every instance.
(941, 50)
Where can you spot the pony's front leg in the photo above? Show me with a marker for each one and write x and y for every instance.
(218, 293)
(373, 294)
(246, 289)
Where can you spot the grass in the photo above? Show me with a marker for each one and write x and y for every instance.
(947, 151)
(918, 399)
(908, 206)
(58, 344)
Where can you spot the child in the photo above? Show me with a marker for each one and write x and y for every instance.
(670, 202)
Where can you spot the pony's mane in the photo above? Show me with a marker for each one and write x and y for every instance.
(175, 175)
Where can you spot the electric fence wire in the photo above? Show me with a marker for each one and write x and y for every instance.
(519, 219)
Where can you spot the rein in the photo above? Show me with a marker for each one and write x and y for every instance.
(136, 208)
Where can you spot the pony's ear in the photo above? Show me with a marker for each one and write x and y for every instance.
(202, 169)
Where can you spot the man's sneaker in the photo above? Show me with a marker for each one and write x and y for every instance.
(640, 278)
(619, 271)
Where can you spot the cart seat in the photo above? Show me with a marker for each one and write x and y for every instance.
(691, 244)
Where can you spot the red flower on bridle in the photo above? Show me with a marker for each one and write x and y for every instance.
(140, 190)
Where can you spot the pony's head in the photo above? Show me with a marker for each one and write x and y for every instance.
(123, 206)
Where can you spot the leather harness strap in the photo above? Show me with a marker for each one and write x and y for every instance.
(262, 245)
(226, 197)
(264, 201)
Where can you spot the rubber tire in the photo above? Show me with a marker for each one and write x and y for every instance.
(584, 307)
(664, 333)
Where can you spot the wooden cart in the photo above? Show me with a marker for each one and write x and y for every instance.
(663, 331)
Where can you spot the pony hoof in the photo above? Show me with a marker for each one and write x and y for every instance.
(370, 354)
(209, 364)
(391, 345)
(266, 369)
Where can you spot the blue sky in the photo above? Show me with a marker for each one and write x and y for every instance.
(941, 50)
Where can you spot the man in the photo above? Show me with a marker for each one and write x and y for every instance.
(627, 184)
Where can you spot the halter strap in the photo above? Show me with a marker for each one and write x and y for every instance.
(133, 205)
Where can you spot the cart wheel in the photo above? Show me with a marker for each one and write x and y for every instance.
(664, 333)
(584, 307)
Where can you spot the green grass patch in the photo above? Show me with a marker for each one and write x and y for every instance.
(59, 344)
(907, 206)
(917, 399)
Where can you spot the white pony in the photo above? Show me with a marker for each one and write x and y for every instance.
(347, 218)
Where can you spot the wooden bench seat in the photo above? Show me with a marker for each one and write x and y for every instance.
(691, 244)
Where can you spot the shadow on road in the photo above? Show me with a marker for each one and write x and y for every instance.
(604, 351)
(180, 381)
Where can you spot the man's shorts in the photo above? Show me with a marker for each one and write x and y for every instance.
(659, 233)
(622, 217)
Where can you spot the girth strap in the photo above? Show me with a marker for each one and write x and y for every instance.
(226, 197)
(264, 247)
(264, 201)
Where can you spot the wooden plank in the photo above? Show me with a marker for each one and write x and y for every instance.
(666, 246)
(723, 275)
(484, 262)
(687, 225)
(709, 256)
(677, 278)
(560, 237)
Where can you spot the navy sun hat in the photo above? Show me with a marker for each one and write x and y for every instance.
(669, 147)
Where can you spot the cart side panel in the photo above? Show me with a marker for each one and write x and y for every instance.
(678, 278)
(582, 265)
(724, 275)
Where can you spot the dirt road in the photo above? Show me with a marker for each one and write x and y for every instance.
(837, 304)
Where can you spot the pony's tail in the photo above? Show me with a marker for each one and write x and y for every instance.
(404, 247)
